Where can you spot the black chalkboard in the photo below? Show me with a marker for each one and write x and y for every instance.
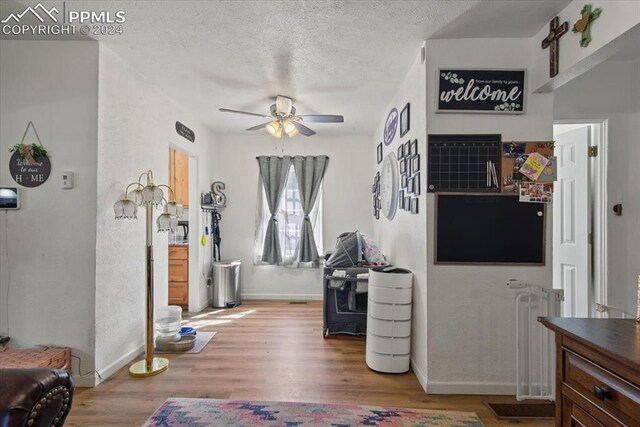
(488, 229)
(484, 91)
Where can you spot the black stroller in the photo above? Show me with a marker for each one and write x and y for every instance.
(344, 293)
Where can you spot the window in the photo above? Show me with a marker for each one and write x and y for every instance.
(290, 217)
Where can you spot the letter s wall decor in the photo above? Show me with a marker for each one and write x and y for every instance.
(481, 91)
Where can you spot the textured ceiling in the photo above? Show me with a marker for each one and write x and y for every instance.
(502, 18)
(332, 57)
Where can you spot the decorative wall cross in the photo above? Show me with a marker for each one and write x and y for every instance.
(551, 41)
(583, 25)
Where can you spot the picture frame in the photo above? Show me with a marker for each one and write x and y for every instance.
(401, 200)
(414, 147)
(407, 203)
(405, 122)
(403, 181)
(416, 184)
(410, 185)
(401, 152)
(407, 149)
(414, 206)
(379, 153)
(415, 164)
(403, 166)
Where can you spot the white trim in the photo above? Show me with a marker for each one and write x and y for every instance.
(206, 304)
(86, 381)
(285, 297)
(438, 387)
(119, 363)
(422, 378)
(599, 137)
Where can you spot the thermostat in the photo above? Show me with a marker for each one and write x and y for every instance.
(67, 179)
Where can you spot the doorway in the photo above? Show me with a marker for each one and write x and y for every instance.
(579, 217)
(178, 269)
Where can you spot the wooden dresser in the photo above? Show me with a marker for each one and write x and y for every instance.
(179, 275)
(597, 371)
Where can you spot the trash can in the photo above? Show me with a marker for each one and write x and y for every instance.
(226, 283)
(389, 319)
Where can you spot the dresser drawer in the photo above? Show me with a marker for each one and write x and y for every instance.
(178, 293)
(602, 388)
(178, 270)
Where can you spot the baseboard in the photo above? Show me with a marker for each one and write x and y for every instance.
(438, 387)
(287, 297)
(422, 378)
(204, 305)
(86, 381)
(119, 363)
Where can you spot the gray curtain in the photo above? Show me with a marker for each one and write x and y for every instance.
(273, 171)
(309, 173)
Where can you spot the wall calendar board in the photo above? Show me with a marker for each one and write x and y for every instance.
(463, 163)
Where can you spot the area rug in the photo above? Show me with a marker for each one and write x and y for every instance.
(202, 339)
(236, 413)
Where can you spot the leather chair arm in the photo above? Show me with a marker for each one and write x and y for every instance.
(34, 397)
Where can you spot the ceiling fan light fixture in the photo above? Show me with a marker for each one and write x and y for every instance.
(274, 129)
(289, 126)
(293, 133)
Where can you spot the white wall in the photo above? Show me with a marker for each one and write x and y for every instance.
(617, 18)
(403, 240)
(610, 91)
(471, 341)
(136, 125)
(347, 203)
(47, 248)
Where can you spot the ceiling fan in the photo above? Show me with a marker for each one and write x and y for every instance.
(283, 119)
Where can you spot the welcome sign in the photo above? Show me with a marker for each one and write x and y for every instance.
(480, 91)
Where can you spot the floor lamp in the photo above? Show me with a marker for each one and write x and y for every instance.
(149, 196)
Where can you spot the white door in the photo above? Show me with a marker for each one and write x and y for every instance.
(571, 219)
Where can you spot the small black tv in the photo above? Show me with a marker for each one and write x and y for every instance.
(9, 198)
(489, 229)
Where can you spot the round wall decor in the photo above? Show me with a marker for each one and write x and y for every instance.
(390, 126)
(389, 186)
(29, 175)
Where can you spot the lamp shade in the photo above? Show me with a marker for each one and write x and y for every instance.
(152, 194)
(136, 196)
(125, 209)
(174, 209)
(166, 222)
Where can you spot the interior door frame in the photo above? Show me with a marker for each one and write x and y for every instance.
(194, 226)
(598, 129)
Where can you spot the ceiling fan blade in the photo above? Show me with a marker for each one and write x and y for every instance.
(322, 118)
(228, 110)
(303, 129)
(259, 126)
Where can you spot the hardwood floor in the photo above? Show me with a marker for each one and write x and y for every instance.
(266, 350)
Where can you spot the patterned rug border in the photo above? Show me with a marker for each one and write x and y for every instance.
(181, 417)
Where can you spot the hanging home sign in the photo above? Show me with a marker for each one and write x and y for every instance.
(480, 91)
(29, 173)
(29, 164)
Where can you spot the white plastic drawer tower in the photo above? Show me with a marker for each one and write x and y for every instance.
(389, 320)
